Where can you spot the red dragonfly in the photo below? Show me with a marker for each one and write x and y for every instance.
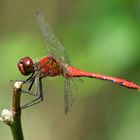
(57, 64)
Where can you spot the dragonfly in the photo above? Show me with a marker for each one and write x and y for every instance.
(57, 64)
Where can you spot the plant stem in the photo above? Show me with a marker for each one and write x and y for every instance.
(13, 117)
(16, 126)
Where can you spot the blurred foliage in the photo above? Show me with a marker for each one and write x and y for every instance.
(99, 36)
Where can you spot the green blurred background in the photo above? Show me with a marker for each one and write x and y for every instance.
(99, 36)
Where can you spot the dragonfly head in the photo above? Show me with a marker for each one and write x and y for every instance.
(26, 66)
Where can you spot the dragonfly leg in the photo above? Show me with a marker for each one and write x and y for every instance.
(28, 80)
(38, 99)
(30, 87)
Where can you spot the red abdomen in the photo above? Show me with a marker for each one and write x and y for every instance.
(74, 72)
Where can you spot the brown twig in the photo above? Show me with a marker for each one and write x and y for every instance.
(13, 117)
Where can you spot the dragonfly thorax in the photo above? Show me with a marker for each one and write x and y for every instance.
(48, 66)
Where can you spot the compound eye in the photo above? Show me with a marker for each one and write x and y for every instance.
(26, 66)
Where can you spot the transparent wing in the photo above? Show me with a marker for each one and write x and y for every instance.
(52, 43)
(59, 53)
(69, 94)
